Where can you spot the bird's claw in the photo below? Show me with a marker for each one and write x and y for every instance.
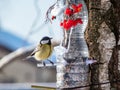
(44, 63)
(51, 62)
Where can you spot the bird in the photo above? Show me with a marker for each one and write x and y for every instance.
(43, 50)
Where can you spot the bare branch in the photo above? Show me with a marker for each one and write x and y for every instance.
(48, 11)
(6, 59)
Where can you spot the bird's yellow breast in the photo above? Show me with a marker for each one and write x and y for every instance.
(44, 52)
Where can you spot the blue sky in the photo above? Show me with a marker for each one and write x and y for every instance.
(17, 16)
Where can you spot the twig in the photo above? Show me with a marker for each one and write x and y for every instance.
(48, 11)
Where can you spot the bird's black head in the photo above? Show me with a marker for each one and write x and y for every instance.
(46, 40)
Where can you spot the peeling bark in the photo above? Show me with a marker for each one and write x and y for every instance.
(103, 39)
(106, 44)
(114, 73)
(119, 60)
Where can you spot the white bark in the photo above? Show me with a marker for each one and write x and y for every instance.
(106, 44)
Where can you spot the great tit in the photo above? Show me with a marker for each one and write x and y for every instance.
(44, 50)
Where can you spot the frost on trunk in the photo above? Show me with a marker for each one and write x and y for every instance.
(103, 39)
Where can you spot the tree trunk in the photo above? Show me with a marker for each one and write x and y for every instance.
(102, 36)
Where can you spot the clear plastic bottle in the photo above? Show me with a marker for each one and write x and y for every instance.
(71, 68)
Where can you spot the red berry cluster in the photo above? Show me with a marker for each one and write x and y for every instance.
(74, 9)
(77, 8)
(67, 24)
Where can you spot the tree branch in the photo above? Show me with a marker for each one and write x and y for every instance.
(21, 51)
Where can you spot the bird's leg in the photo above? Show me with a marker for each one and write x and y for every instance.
(43, 63)
(50, 61)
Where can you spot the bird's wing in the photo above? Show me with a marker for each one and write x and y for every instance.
(36, 50)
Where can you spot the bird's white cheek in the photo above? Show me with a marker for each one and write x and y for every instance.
(44, 42)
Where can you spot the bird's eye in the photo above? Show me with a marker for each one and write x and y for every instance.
(44, 41)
